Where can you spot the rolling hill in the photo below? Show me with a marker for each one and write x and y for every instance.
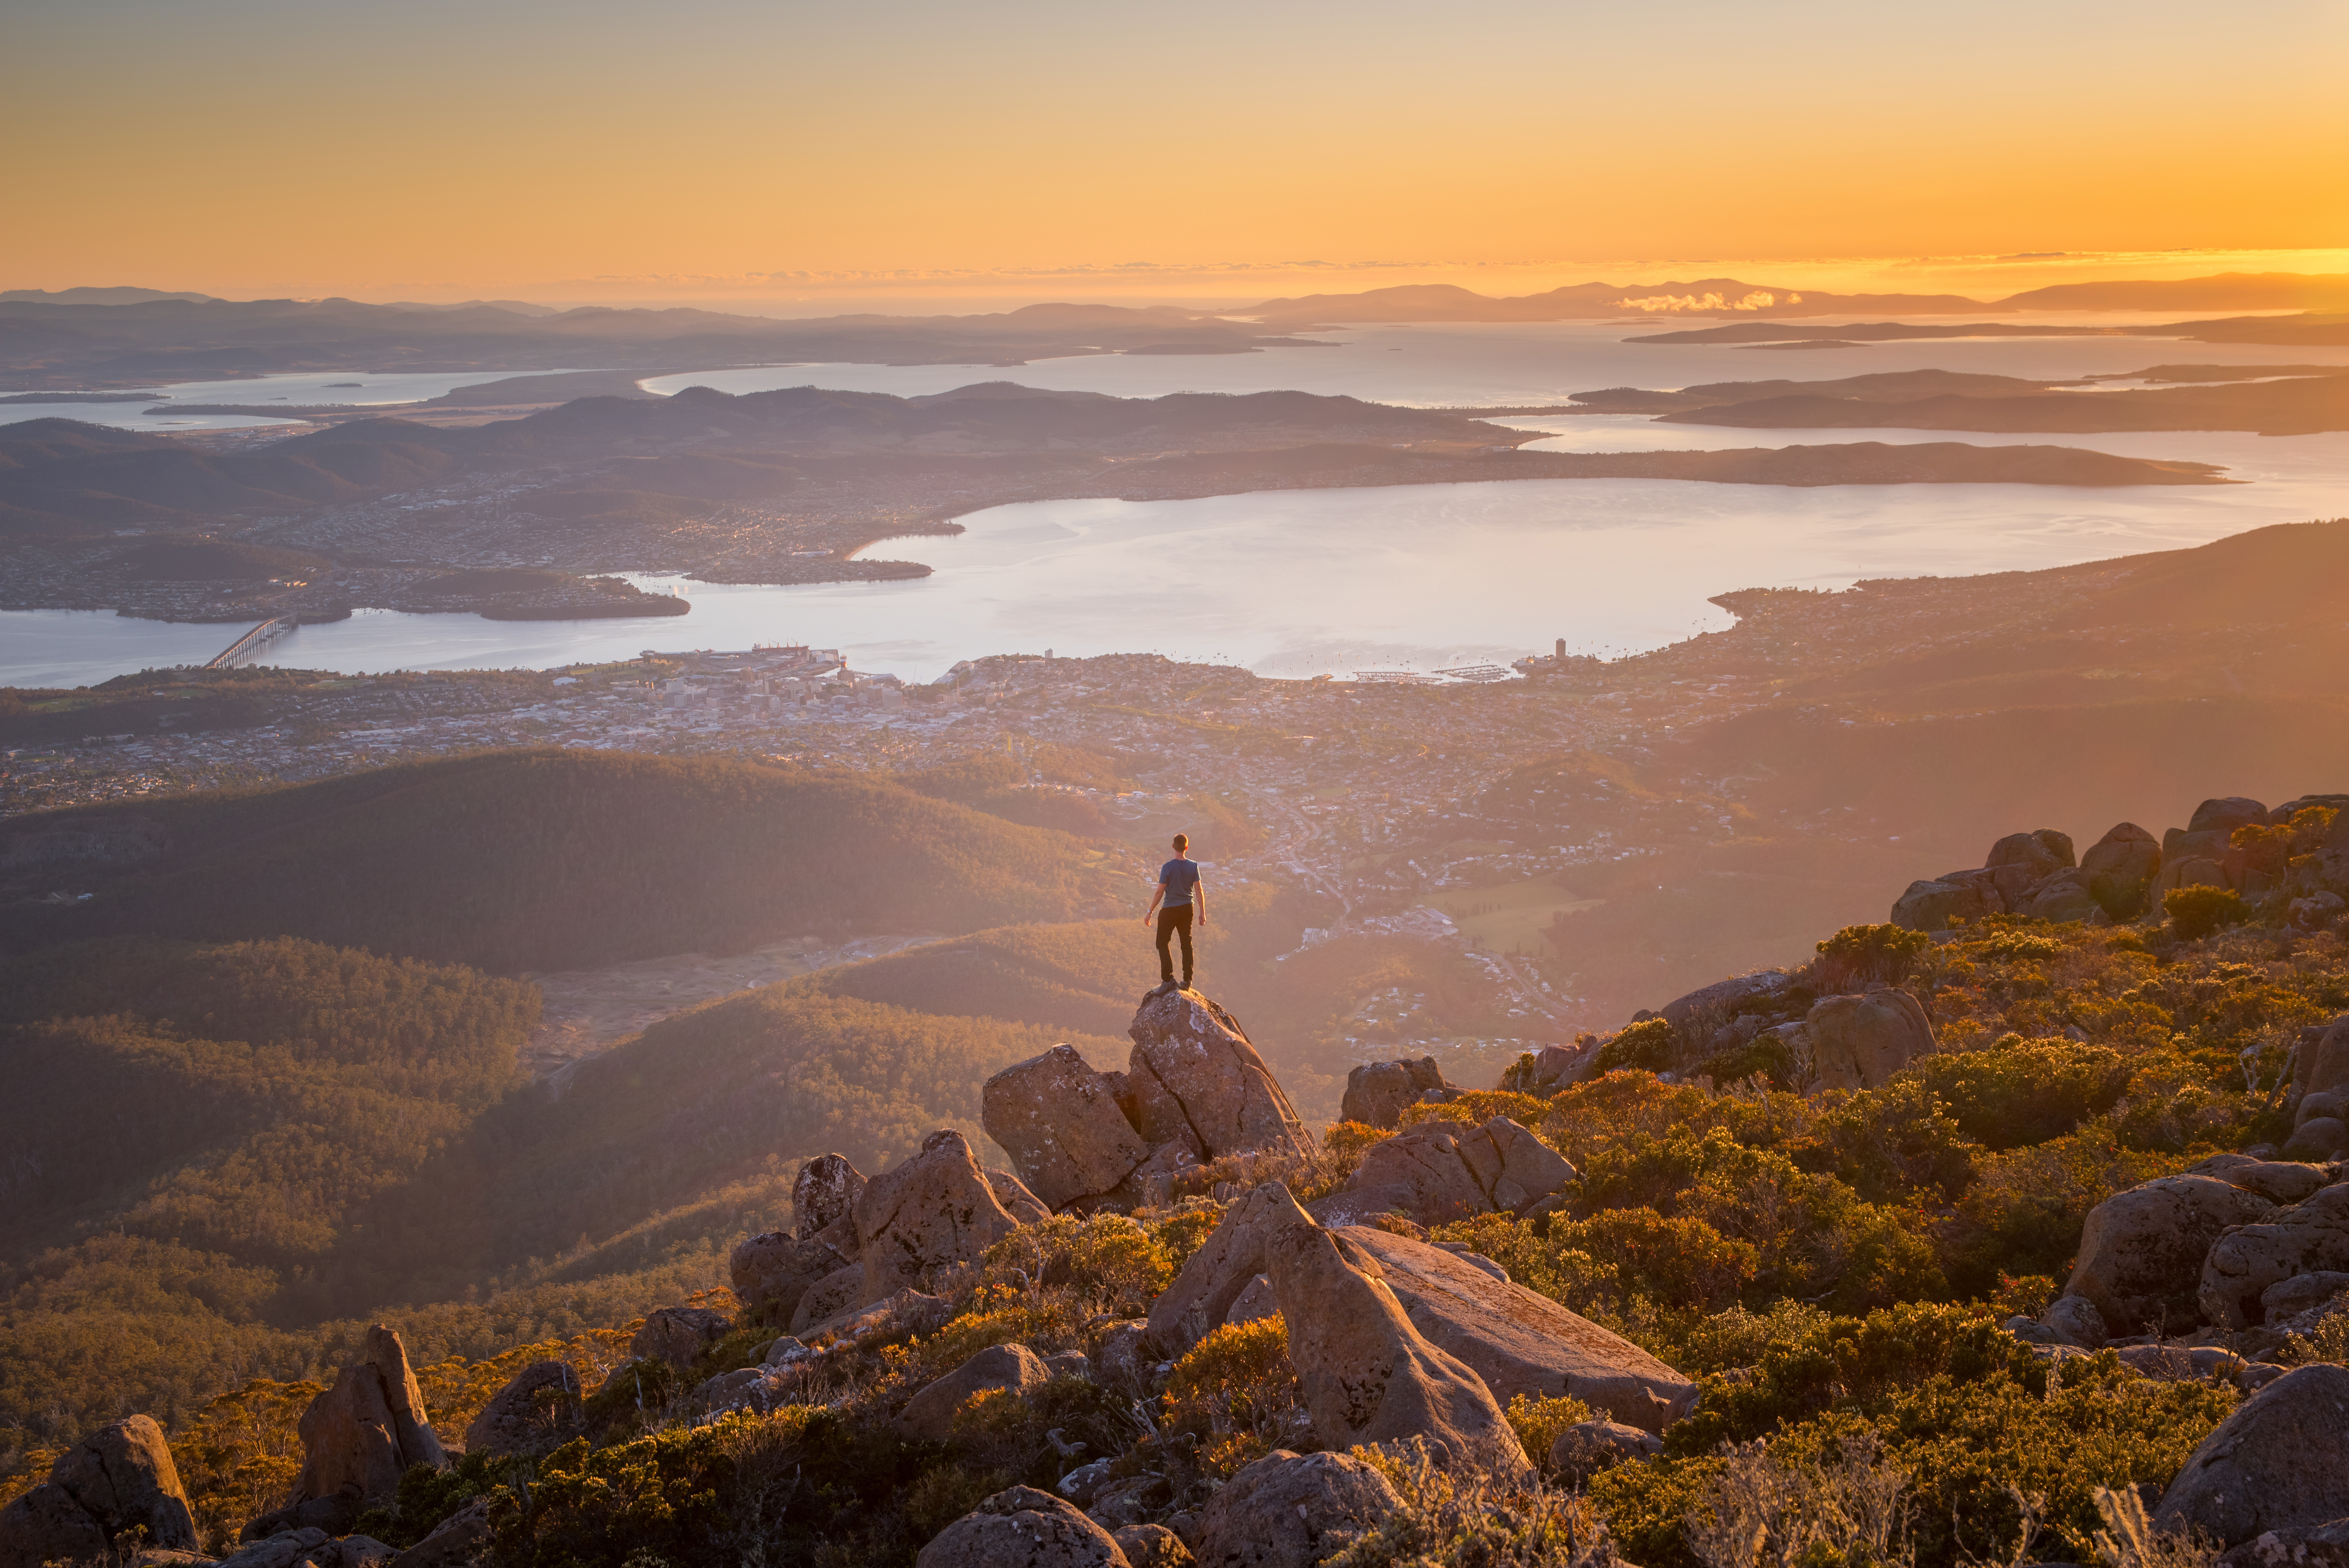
(549, 859)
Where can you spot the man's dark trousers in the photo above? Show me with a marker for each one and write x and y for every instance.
(1172, 919)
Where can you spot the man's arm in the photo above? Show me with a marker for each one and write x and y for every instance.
(1199, 899)
(1147, 913)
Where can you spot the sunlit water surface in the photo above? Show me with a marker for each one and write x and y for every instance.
(1301, 582)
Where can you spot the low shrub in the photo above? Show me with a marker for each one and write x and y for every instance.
(1233, 1390)
(2195, 912)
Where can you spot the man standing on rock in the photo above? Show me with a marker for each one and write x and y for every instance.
(1179, 890)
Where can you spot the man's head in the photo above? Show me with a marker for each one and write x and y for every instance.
(1182, 844)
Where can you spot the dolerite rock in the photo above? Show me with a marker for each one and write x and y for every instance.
(457, 1542)
(934, 1209)
(1935, 905)
(117, 1479)
(1059, 1120)
(1377, 1093)
(2242, 1264)
(337, 1514)
(363, 1433)
(310, 1548)
(1255, 1304)
(929, 1416)
(1859, 1041)
(1363, 1371)
(678, 1335)
(1194, 1080)
(2140, 1259)
(2277, 1180)
(2302, 1293)
(2280, 1462)
(1022, 1528)
(823, 1194)
(771, 1271)
(2322, 1067)
(540, 1410)
(1124, 1364)
(2319, 1546)
(1520, 1342)
(1200, 1299)
(837, 1293)
(2064, 899)
(1439, 1172)
(1585, 1449)
(2021, 862)
(2075, 1321)
(2227, 814)
(1291, 1511)
(1022, 1205)
(1152, 1546)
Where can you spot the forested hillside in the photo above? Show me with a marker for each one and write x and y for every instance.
(557, 859)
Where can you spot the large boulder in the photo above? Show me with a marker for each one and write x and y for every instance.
(678, 1335)
(1194, 1080)
(823, 1194)
(1291, 1511)
(1213, 1277)
(1937, 904)
(2121, 867)
(1060, 1122)
(1585, 1449)
(2322, 1065)
(1438, 1171)
(935, 1209)
(1364, 1373)
(2245, 1263)
(1152, 1546)
(1518, 1341)
(1859, 1041)
(837, 1293)
(359, 1437)
(1022, 1528)
(1023, 1206)
(457, 1542)
(929, 1416)
(1377, 1093)
(118, 1480)
(2277, 1180)
(539, 1410)
(2140, 1259)
(2021, 862)
(771, 1271)
(2227, 814)
(2281, 1461)
(2065, 898)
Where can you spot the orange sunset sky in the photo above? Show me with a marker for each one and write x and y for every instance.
(822, 154)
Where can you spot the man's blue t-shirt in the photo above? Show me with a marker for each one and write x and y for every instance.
(1180, 876)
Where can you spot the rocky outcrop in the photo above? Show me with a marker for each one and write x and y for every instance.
(1585, 1449)
(1022, 1528)
(1365, 1374)
(539, 1410)
(2243, 1266)
(1194, 1080)
(1935, 904)
(934, 1209)
(2022, 863)
(1024, 1207)
(1200, 1299)
(2120, 869)
(2281, 1461)
(823, 1194)
(771, 1273)
(1059, 1120)
(1152, 1546)
(929, 1416)
(1859, 1041)
(1378, 1093)
(118, 1482)
(457, 1542)
(2141, 1251)
(1439, 1172)
(1518, 1341)
(1291, 1511)
(837, 1293)
(678, 1335)
(359, 1437)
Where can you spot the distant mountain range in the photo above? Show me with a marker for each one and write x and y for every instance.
(1733, 297)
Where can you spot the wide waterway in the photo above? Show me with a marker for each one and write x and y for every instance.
(1301, 582)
